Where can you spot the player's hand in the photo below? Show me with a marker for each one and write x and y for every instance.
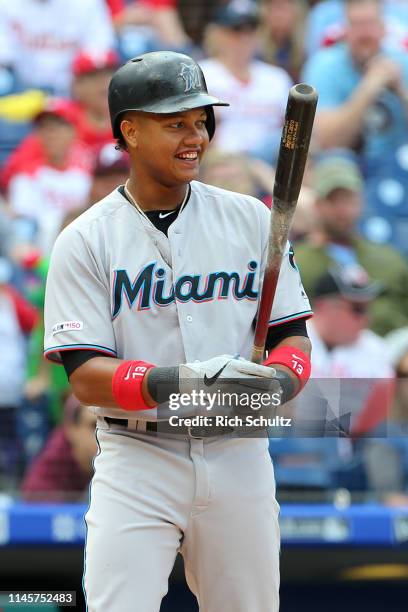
(241, 379)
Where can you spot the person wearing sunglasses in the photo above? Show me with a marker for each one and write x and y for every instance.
(256, 90)
(344, 346)
(350, 392)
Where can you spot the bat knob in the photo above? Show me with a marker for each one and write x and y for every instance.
(304, 93)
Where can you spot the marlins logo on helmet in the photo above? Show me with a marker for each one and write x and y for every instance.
(191, 76)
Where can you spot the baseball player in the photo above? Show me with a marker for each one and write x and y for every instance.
(152, 294)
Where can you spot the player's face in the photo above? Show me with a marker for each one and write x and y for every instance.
(365, 30)
(168, 148)
(338, 213)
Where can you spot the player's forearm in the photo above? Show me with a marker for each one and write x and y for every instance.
(92, 383)
(290, 381)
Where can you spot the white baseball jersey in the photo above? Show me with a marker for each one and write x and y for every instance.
(364, 358)
(46, 194)
(120, 286)
(40, 39)
(258, 105)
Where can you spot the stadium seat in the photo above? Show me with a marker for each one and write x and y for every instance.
(304, 463)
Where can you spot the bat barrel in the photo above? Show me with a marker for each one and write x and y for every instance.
(296, 134)
(294, 146)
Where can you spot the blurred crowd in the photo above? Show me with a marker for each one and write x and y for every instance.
(350, 232)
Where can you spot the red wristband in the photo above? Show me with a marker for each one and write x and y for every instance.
(127, 385)
(294, 359)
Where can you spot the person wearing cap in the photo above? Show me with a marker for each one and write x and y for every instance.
(343, 345)
(91, 75)
(345, 348)
(338, 184)
(353, 382)
(257, 91)
(50, 173)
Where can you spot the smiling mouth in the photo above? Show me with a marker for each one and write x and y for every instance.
(191, 156)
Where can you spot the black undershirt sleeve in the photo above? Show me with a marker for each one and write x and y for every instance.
(71, 360)
(279, 332)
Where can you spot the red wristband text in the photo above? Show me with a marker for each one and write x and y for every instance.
(127, 385)
(294, 359)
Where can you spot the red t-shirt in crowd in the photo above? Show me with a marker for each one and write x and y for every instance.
(54, 475)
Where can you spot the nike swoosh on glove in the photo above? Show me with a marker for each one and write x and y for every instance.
(234, 377)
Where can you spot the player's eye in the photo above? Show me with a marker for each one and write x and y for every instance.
(177, 125)
(201, 123)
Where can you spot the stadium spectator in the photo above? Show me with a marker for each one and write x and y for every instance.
(350, 392)
(89, 112)
(147, 25)
(365, 106)
(63, 470)
(326, 24)
(338, 184)
(92, 73)
(282, 34)
(51, 174)
(17, 319)
(39, 39)
(256, 90)
(344, 348)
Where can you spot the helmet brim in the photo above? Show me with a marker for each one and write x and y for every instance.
(178, 104)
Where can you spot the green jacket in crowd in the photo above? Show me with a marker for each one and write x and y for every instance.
(390, 309)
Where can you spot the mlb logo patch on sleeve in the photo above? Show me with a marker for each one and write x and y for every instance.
(67, 326)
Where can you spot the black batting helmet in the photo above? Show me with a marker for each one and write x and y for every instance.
(160, 82)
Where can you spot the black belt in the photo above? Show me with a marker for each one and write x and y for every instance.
(162, 427)
(150, 426)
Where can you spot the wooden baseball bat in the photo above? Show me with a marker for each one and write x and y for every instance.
(293, 150)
